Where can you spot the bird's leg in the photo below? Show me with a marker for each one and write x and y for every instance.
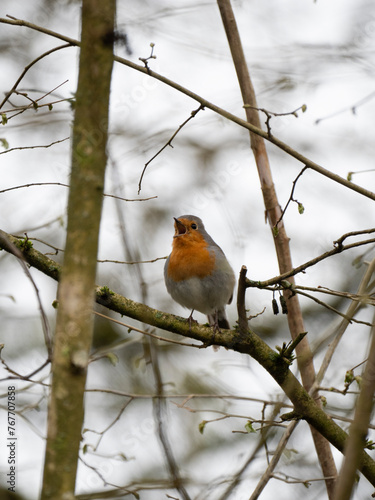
(213, 319)
(191, 320)
(216, 327)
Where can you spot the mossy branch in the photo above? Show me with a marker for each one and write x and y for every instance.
(242, 340)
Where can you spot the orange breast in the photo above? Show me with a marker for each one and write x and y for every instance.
(190, 258)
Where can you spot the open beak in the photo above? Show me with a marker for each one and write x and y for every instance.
(179, 228)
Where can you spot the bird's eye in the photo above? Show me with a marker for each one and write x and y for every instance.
(194, 226)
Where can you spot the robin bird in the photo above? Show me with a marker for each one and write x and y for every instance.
(197, 274)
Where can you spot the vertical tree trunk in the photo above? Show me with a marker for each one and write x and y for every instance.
(273, 211)
(76, 290)
(358, 429)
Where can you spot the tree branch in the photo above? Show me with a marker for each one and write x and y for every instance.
(67, 185)
(358, 429)
(207, 104)
(275, 460)
(168, 143)
(274, 216)
(21, 148)
(352, 309)
(244, 341)
(338, 248)
(26, 69)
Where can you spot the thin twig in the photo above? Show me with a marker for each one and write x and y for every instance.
(365, 298)
(146, 59)
(188, 397)
(291, 347)
(17, 376)
(56, 249)
(130, 199)
(21, 109)
(274, 461)
(159, 407)
(351, 108)
(339, 247)
(20, 148)
(339, 242)
(270, 114)
(207, 104)
(11, 248)
(149, 334)
(133, 262)
(306, 482)
(105, 482)
(68, 186)
(168, 143)
(26, 69)
(35, 103)
(264, 436)
(291, 196)
(352, 309)
(116, 419)
(333, 309)
(355, 172)
(225, 414)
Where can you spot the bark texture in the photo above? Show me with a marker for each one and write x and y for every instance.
(77, 285)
